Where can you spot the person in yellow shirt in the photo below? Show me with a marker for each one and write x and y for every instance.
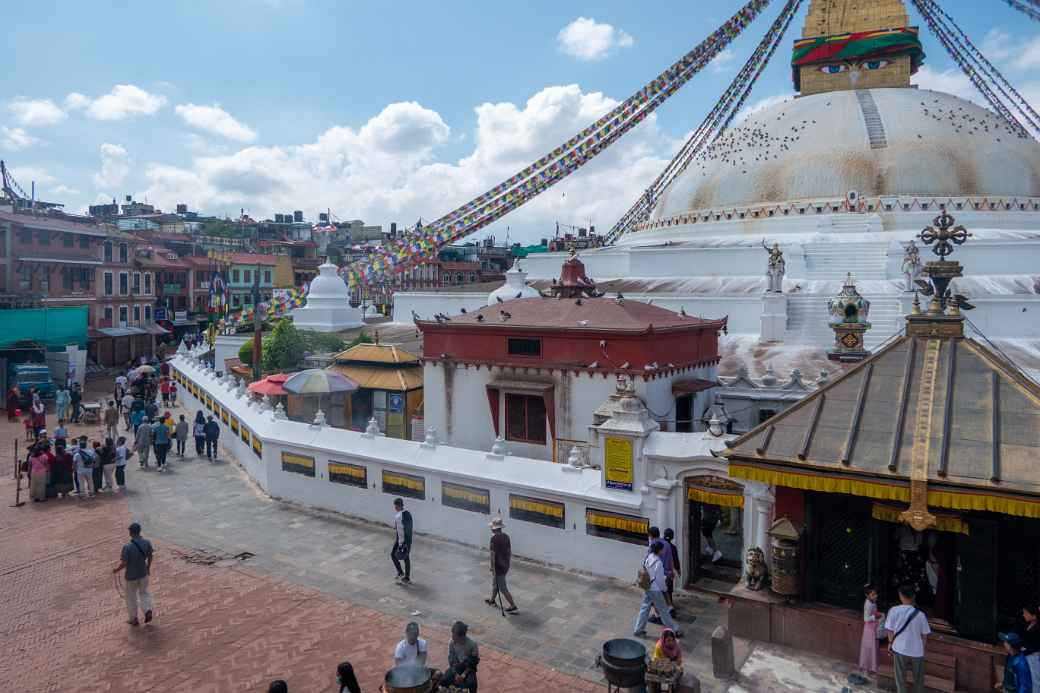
(667, 650)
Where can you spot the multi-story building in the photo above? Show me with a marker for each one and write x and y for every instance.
(201, 275)
(242, 273)
(123, 321)
(172, 277)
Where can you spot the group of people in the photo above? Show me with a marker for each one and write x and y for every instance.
(56, 467)
(657, 576)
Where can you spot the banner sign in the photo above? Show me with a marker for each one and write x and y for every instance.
(539, 511)
(349, 474)
(297, 464)
(224, 414)
(617, 463)
(626, 528)
(234, 425)
(470, 498)
(401, 484)
(245, 434)
(258, 446)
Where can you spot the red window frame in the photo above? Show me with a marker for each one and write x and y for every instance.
(522, 418)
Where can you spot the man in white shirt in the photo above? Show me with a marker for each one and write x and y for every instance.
(654, 594)
(411, 652)
(907, 627)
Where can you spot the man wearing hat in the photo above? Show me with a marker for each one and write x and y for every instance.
(1017, 677)
(501, 553)
(136, 559)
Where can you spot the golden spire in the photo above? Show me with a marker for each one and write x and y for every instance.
(836, 17)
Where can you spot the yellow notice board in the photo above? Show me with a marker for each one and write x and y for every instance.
(617, 463)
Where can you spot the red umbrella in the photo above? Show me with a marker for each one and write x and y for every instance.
(271, 385)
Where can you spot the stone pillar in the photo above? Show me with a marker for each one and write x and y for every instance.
(759, 503)
(662, 488)
(774, 318)
(622, 437)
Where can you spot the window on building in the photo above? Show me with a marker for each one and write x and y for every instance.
(124, 284)
(108, 283)
(147, 283)
(137, 315)
(458, 278)
(267, 276)
(84, 242)
(147, 313)
(67, 240)
(234, 276)
(235, 300)
(122, 315)
(516, 346)
(66, 279)
(472, 277)
(247, 276)
(108, 314)
(136, 284)
(765, 414)
(525, 418)
(123, 253)
(43, 237)
(108, 251)
(25, 236)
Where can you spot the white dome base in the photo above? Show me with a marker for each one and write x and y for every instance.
(327, 319)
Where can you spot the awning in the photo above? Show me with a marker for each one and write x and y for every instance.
(120, 331)
(943, 522)
(691, 386)
(62, 260)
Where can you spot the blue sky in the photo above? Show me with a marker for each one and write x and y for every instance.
(377, 113)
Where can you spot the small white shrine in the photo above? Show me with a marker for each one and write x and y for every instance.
(515, 286)
(328, 306)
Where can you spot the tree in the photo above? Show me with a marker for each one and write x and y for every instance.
(322, 342)
(284, 349)
(245, 352)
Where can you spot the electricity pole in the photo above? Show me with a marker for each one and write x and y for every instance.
(257, 321)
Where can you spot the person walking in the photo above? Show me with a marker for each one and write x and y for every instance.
(1030, 634)
(180, 433)
(346, 679)
(63, 470)
(85, 460)
(123, 454)
(402, 549)
(1017, 676)
(906, 627)
(128, 405)
(212, 432)
(38, 412)
(108, 464)
(61, 402)
(673, 551)
(501, 554)
(136, 561)
(76, 398)
(160, 443)
(111, 419)
(39, 471)
(199, 431)
(96, 472)
(652, 580)
(143, 442)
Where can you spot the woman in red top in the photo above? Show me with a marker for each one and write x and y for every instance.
(39, 469)
(62, 470)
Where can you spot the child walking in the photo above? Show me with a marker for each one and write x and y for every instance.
(868, 647)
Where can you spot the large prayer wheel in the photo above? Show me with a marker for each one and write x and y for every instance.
(785, 557)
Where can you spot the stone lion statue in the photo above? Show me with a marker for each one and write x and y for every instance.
(757, 573)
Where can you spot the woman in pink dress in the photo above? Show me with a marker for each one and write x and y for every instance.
(868, 647)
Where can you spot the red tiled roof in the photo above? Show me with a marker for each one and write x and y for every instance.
(37, 222)
(252, 259)
(199, 261)
(161, 258)
(580, 314)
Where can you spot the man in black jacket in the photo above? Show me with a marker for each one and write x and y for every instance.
(402, 541)
(212, 432)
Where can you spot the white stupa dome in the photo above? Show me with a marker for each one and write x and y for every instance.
(514, 287)
(328, 306)
(891, 142)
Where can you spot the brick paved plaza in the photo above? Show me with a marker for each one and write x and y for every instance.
(317, 590)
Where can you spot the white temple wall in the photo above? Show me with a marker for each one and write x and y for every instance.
(571, 547)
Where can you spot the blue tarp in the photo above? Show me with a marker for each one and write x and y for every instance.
(54, 328)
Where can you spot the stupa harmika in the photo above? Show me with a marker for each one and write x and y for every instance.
(842, 176)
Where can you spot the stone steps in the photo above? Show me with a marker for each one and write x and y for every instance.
(807, 320)
(832, 261)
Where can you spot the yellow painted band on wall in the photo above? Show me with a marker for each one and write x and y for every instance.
(621, 524)
(463, 494)
(725, 500)
(300, 460)
(536, 507)
(347, 470)
(404, 481)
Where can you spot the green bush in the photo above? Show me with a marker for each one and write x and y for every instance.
(245, 352)
(284, 348)
(322, 342)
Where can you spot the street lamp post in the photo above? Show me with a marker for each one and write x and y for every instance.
(257, 322)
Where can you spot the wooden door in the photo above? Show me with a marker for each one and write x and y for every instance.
(976, 616)
(693, 541)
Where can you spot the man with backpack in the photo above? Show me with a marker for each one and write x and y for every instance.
(212, 431)
(651, 577)
(136, 560)
(85, 460)
(907, 627)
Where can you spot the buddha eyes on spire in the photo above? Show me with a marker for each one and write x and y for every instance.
(873, 64)
(867, 65)
(834, 69)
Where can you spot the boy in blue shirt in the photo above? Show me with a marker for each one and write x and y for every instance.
(1017, 678)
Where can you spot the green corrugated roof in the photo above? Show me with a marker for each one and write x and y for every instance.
(52, 327)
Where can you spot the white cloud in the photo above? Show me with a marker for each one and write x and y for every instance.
(586, 39)
(124, 101)
(1028, 57)
(721, 62)
(35, 112)
(996, 44)
(27, 175)
(387, 169)
(762, 104)
(951, 81)
(14, 139)
(215, 120)
(115, 165)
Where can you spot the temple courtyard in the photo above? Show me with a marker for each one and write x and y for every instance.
(249, 588)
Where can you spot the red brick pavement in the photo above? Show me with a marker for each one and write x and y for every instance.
(217, 628)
